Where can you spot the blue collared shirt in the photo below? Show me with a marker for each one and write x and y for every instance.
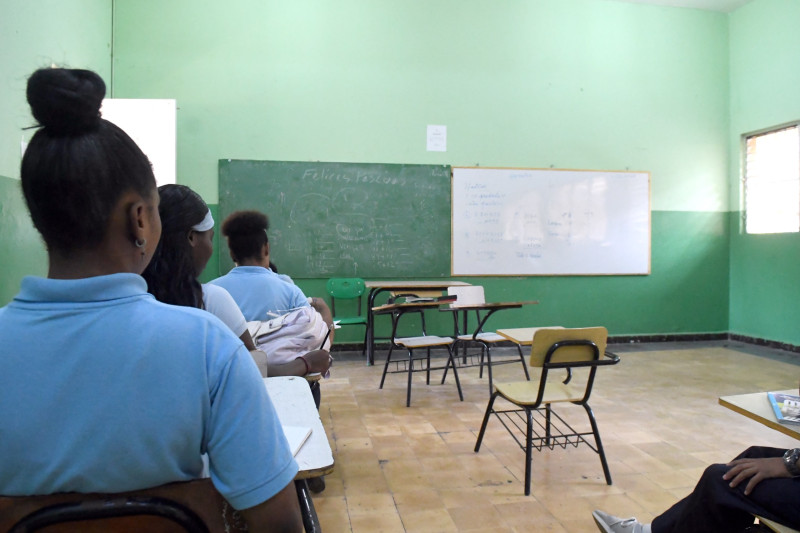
(260, 293)
(104, 389)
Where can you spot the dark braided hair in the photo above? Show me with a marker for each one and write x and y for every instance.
(246, 232)
(171, 275)
(77, 165)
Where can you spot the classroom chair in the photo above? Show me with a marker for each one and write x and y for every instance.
(417, 293)
(473, 295)
(192, 506)
(582, 350)
(410, 344)
(774, 526)
(348, 289)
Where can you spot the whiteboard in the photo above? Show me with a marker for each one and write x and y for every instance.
(151, 123)
(509, 221)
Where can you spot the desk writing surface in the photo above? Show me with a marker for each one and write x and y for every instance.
(294, 404)
(757, 407)
(412, 284)
(378, 286)
(523, 336)
(406, 306)
(488, 306)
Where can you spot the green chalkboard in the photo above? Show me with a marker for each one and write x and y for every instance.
(345, 219)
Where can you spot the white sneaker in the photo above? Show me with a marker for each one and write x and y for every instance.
(614, 524)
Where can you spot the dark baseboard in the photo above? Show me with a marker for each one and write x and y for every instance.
(764, 342)
(633, 339)
(672, 337)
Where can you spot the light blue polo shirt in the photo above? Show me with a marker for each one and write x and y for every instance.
(260, 293)
(104, 389)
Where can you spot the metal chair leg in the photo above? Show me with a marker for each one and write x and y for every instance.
(466, 345)
(528, 452)
(310, 520)
(410, 373)
(428, 368)
(364, 347)
(547, 426)
(480, 366)
(522, 360)
(488, 363)
(492, 398)
(452, 360)
(447, 367)
(600, 451)
(386, 366)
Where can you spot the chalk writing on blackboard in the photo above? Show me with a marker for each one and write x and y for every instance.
(346, 219)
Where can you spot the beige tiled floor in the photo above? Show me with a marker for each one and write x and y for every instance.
(414, 469)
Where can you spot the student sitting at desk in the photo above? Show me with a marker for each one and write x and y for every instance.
(252, 283)
(261, 294)
(187, 233)
(761, 481)
(105, 389)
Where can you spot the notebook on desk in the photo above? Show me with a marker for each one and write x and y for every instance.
(296, 436)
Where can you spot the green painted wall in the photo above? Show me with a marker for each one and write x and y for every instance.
(21, 248)
(567, 83)
(687, 291)
(74, 33)
(573, 84)
(765, 76)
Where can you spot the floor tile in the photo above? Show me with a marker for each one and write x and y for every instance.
(414, 469)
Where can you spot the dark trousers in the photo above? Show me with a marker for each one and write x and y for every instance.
(714, 507)
(315, 392)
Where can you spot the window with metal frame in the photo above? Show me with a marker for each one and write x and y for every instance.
(771, 180)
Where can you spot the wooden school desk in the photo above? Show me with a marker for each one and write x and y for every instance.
(491, 308)
(397, 310)
(522, 336)
(756, 406)
(295, 407)
(377, 287)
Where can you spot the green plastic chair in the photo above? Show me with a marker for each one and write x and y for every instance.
(348, 289)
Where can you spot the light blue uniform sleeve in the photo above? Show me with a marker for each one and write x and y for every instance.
(298, 298)
(249, 458)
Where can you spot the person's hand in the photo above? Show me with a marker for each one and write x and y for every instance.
(755, 470)
(318, 361)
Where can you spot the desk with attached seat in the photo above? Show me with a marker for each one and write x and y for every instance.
(195, 505)
(485, 338)
(397, 310)
(377, 287)
(295, 407)
(756, 406)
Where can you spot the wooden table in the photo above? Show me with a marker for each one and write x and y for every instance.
(522, 336)
(294, 405)
(377, 287)
(757, 407)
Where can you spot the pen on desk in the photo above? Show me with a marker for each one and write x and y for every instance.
(322, 346)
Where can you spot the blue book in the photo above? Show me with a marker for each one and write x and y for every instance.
(786, 407)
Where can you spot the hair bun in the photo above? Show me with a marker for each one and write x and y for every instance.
(66, 101)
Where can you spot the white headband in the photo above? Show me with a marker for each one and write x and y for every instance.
(206, 224)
